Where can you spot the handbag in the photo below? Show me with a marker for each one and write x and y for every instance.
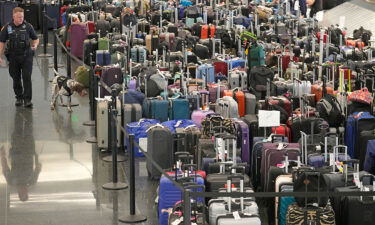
(361, 96)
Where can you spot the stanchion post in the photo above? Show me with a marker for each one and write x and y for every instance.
(132, 217)
(112, 144)
(55, 65)
(91, 94)
(187, 208)
(68, 63)
(45, 31)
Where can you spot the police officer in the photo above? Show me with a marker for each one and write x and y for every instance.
(21, 41)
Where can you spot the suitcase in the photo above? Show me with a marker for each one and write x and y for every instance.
(217, 207)
(244, 219)
(243, 139)
(250, 103)
(103, 58)
(90, 26)
(169, 194)
(198, 115)
(204, 31)
(103, 27)
(31, 14)
(168, 37)
(179, 109)
(89, 47)
(317, 215)
(53, 11)
(77, 37)
(213, 90)
(110, 75)
(6, 12)
(283, 130)
(221, 67)
(239, 96)
(272, 155)
(156, 109)
(206, 72)
(227, 107)
(212, 30)
(132, 113)
(159, 147)
(103, 43)
(102, 119)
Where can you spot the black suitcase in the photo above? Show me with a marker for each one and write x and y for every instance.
(31, 14)
(89, 47)
(160, 148)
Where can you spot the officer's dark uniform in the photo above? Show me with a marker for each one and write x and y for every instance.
(20, 56)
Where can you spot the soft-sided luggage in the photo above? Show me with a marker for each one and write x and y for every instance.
(53, 11)
(179, 109)
(110, 75)
(132, 113)
(139, 129)
(310, 215)
(31, 14)
(242, 219)
(159, 147)
(227, 107)
(103, 57)
(103, 27)
(198, 115)
(77, 37)
(6, 11)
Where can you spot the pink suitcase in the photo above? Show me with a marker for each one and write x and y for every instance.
(198, 115)
(78, 34)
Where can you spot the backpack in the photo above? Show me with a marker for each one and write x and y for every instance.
(82, 76)
(330, 110)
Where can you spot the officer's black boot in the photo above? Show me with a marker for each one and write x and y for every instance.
(19, 102)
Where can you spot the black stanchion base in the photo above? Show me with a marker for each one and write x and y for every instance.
(44, 55)
(92, 140)
(53, 66)
(90, 123)
(120, 158)
(133, 219)
(114, 186)
(66, 105)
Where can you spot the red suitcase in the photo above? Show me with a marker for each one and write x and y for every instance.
(91, 27)
(221, 67)
(283, 130)
(204, 31)
(212, 31)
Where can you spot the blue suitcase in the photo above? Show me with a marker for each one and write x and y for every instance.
(53, 11)
(155, 109)
(169, 194)
(6, 8)
(234, 63)
(283, 206)
(179, 109)
(103, 57)
(206, 71)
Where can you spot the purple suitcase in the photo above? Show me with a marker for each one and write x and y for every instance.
(132, 84)
(198, 115)
(110, 75)
(243, 136)
(271, 156)
(77, 37)
(213, 92)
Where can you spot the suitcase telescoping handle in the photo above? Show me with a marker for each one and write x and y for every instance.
(229, 189)
(336, 151)
(274, 136)
(330, 134)
(355, 162)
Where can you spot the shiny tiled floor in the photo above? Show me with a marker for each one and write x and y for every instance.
(50, 175)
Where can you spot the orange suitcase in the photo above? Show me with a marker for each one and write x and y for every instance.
(204, 31)
(318, 91)
(212, 31)
(239, 96)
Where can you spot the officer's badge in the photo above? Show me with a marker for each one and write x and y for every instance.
(24, 26)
